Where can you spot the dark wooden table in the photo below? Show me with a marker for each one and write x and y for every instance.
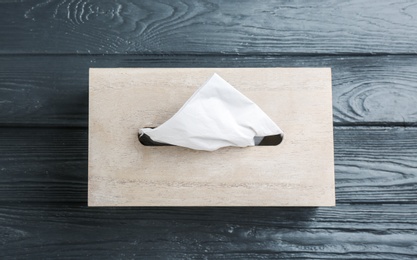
(46, 48)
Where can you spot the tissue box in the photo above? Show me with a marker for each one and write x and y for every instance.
(123, 172)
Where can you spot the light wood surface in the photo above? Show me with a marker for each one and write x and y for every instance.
(122, 172)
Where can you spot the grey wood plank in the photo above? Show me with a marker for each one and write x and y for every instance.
(53, 90)
(187, 26)
(374, 165)
(77, 232)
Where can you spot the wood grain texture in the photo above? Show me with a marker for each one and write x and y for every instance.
(43, 184)
(367, 164)
(128, 26)
(43, 164)
(123, 172)
(346, 232)
(373, 165)
(366, 90)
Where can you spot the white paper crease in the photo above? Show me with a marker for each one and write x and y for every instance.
(215, 116)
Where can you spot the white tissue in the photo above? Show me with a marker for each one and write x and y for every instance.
(215, 116)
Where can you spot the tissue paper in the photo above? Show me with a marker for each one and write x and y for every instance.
(217, 115)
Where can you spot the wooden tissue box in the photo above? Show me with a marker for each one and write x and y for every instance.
(123, 172)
